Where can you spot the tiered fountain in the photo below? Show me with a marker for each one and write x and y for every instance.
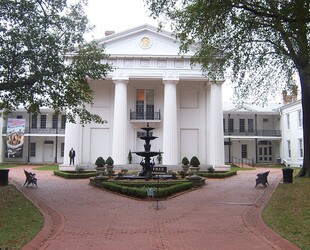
(146, 163)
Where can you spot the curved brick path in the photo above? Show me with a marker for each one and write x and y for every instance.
(224, 214)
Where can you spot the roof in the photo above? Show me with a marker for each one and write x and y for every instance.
(251, 108)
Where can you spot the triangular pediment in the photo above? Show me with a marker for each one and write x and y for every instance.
(144, 40)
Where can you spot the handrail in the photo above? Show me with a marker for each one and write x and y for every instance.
(236, 161)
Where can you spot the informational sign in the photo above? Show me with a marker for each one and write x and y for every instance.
(15, 138)
(159, 170)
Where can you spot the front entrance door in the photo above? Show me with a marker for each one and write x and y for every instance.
(48, 150)
(265, 151)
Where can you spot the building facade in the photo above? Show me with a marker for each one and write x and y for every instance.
(33, 138)
(151, 84)
(252, 134)
(292, 150)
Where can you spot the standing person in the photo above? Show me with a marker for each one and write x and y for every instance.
(71, 156)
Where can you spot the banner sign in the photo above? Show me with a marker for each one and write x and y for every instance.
(15, 138)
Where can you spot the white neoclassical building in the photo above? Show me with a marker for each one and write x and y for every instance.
(151, 83)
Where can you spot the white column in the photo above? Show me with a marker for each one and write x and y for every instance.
(215, 138)
(73, 140)
(170, 138)
(120, 121)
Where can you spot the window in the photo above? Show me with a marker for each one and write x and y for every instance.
(55, 121)
(224, 124)
(63, 122)
(244, 151)
(288, 121)
(145, 103)
(250, 125)
(32, 149)
(19, 117)
(289, 148)
(230, 125)
(241, 125)
(299, 118)
(62, 150)
(301, 148)
(34, 121)
(43, 121)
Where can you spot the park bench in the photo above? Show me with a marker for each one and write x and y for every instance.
(262, 179)
(30, 178)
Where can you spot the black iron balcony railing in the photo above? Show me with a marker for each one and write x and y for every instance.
(145, 115)
(40, 130)
(259, 132)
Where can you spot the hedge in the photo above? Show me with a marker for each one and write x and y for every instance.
(75, 174)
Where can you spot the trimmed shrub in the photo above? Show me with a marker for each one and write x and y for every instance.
(109, 161)
(100, 162)
(194, 162)
(185, 161)
(75, 174)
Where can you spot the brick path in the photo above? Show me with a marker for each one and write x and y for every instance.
(224, 214)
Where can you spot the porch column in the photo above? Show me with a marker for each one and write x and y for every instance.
(215, 139)
(120, 121)
(73, 138)
(170, 138)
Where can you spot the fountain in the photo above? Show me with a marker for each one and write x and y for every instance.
(146, 164)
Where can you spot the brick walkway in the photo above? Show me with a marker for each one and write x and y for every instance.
(224, 214)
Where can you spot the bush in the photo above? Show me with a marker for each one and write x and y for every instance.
(75, 174)
(100, 162)
(194, 162)
(218, 174)
(109, 161)
(139, 189)
(185, 161)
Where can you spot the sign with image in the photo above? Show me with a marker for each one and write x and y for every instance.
(15, 138)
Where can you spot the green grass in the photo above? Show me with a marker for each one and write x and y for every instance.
(288, 212)
(47, 167)
(20, 221)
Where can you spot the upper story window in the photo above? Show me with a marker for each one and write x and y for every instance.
(63, 122)
(34, 121)
(250, 125)
(299, 118)
(230, 125)
(55, 121)
(288, 121)
(43, 121)
(242, 125)
(145, 103)
(19, 117)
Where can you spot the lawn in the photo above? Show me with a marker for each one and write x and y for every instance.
(288, 212)
(20, 221)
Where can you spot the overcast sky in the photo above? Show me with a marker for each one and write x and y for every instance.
(116, 15)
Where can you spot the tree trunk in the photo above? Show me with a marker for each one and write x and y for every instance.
(305, 100)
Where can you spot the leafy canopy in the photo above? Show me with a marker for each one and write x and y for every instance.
(260, 42)
(36, 37)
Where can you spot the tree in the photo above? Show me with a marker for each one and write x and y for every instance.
(264, 43)
(44, 59)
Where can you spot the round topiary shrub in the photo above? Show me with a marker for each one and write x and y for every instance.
(194, 162)
(100, 162)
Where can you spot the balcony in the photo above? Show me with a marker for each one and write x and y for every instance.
(38, 131)
(259, 132)
(145, 116)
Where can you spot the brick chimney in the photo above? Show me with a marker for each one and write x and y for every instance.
(109, 32)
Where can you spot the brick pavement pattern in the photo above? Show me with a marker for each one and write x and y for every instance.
(224, 214)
